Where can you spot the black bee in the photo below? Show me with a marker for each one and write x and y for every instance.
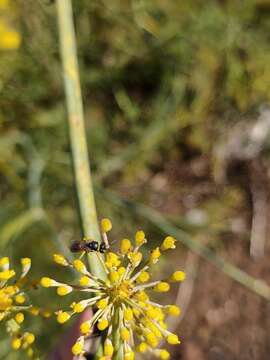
(89, 246)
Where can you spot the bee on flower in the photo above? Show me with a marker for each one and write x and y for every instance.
(125, 312)
(14, 304)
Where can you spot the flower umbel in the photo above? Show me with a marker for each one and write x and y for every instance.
(122, 301)
(14, 304)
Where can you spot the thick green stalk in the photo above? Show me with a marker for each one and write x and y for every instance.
(77, 129)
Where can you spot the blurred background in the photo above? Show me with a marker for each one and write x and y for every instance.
(177, 111)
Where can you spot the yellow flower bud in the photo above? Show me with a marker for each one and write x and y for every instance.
(121, 271)
(178, 276)
(128, 314)
(79, 266)
(129, 355)
(60, 259)
(114, 276)
(4, 262)
(173, 310)
(102, 324)
(19, 317)
(77, 348)
(162, 287)
(108, 348)
(154, 256)
(6, 274)
(135, 258)
(151, 339)
(16, 343)
(125, 334)
(78, 307)
(29, 338)
(142, 347)
(20, 299)
(143, 277)
(164, 354)
(26, 262)
(140, 238)
(85, 281)
(47, 282)
(106, 225)
(102, 303)
(64, 290)
(142, 296)
(125, 246)
(10, 40)
(85, 328)
(62, 317)
(168, 243)
(172, 339)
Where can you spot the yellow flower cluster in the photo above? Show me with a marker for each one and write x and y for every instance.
(124, 309)
(10, 39)
(13, 305)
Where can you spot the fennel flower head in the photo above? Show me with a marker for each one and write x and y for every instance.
(10, 39)
(14, 304)
(123, 310)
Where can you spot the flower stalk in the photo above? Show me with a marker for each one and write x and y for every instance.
(77, 134)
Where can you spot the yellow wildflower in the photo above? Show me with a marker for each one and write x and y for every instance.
(122, 301)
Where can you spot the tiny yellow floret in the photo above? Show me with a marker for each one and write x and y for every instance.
(79, 266)
(106, 225)
(85, 328)
(162, 287)
(29, 338)
(46, 282)
(173, 310)
(20, 299)
(168, 243)
(85, 281)
(164, 354)
(102, 324)
(143, 277)
(19, 317)
(172, 339)
(108, 348)
(60, 259)
(128, 314)
(140, 238)
(129, 355)
(16, 343)
(62, 317)
(77, 348)
(125, 334)
(178, 276)
(125, 246)
(142, 347)
(154, 256)
(102, 303)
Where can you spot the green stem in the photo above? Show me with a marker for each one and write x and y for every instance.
(77, 129)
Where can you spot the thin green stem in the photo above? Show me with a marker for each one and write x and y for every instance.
(77, 129)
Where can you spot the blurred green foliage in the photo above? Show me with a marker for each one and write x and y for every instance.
(161, 80)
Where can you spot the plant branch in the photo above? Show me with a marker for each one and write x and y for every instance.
(77, 128)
